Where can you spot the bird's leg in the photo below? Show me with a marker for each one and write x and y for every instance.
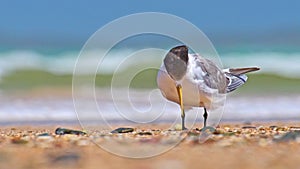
(205, 115)
(179, 91)
(207, 128)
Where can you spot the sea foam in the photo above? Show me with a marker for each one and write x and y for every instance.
(280, 63)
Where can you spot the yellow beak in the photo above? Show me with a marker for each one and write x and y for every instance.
(179, 91)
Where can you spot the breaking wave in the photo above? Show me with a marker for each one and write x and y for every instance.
(283, 64)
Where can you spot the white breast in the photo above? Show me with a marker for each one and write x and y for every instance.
(195, 92)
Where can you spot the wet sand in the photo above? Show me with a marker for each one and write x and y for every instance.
(232, 145)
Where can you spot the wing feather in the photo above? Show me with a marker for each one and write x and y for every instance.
(213, 76)
(239, 71)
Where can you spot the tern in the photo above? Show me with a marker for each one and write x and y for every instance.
(190, 80)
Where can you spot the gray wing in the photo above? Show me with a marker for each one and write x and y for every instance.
(213, 76)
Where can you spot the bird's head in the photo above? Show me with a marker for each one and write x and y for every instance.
(176, 62)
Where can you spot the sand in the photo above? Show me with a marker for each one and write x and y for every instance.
(232, 145)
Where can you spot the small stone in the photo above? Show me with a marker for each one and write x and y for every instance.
(123, 130)
(248, 127)
(295, 128)
(273, 128)
(228, 133)
(43, 134)
(237, 130)
(219, 131)
(156, 132)
(227, 128)
(144, 133)
(284, 128)
(63, 131)
(262, 131)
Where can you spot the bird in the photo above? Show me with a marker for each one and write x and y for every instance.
(189, 80)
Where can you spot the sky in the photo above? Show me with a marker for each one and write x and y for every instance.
(31, 23)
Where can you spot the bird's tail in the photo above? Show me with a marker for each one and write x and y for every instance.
(239, 71)
(236, 77)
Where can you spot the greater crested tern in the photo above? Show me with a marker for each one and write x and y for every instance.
(190, 79)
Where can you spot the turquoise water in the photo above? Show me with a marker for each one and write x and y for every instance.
(272, 58)
(281, 62)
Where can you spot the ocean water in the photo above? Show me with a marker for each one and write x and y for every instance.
(244, 108)
(280, 63)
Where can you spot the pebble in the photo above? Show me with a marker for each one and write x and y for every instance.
(228, 133)
(43, 134)
(227, 128)
(219, 131)
(273, 128)
(63, 131)
(295, 128)
(144, 133)
(222, 136)
(248, 127)
(123, 130)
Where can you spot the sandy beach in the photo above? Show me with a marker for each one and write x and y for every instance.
(239, 141)
(232, 145)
